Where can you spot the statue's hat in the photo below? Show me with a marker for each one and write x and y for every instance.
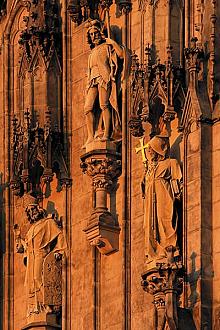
(94, 24)
(159, 144)
(29, 199)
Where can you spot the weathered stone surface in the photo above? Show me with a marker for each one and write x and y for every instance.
(103, 291)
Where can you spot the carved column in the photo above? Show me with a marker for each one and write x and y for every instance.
(103, 165)
(164, 282)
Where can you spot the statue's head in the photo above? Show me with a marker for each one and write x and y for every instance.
(158, 148)
(33, 210)
(94, 33)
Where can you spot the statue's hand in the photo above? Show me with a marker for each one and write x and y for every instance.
(19, 248)
(110, 41)
(58, 256)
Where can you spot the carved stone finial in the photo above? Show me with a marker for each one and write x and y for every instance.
(194, 54)
(124, 6)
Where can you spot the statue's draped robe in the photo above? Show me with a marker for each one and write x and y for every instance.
(38, 244)
(159, 185)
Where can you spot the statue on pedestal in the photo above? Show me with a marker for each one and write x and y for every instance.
(104, 78)
(43, 248)
(161, 186)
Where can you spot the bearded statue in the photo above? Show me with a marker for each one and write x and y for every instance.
(107, 66)
(43, 240)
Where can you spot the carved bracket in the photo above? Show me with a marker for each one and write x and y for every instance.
(103, 166)
(165, 282)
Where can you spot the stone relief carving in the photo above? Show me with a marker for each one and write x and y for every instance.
(44, 246)
(104, 169)
(38, 142)
(105, 73)
(156, 91)
(161, 186)
(165, 283)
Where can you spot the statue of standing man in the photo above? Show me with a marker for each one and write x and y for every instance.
(161, 188)
(103, 85)
(43, 239)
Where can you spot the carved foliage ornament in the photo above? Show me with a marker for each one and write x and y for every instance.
(103, 171)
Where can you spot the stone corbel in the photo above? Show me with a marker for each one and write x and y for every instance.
(103, 165)
(165, 282)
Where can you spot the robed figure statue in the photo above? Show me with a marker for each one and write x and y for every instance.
(43, 243)
(161, 187)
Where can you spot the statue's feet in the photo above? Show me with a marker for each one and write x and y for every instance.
(105, 138)
(89, 140)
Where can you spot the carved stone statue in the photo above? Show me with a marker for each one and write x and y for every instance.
(43, 246)
(103, 85)
(161, 187)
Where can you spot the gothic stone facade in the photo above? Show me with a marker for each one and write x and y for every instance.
(163, 64)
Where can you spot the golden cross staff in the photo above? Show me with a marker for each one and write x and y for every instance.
(142, 149)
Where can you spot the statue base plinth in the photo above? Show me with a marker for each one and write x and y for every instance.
(42, 321)
(163, 278)
(103, 233)
(100, 145)
(103, 164)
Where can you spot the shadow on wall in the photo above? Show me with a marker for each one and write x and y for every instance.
(185, 319)
(216, 319)
(113, 206)
(185, 315)
(192, 279)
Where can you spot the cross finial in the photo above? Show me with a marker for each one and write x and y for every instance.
(142, 149)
